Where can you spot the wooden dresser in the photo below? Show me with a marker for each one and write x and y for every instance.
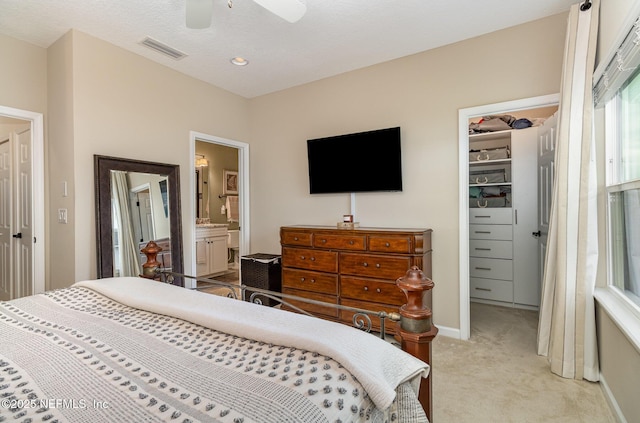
(352, 267)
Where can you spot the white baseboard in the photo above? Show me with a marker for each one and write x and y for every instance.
(611, 400)
(448, 332)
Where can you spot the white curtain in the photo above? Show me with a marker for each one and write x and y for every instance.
(127, 248)
(566, 330)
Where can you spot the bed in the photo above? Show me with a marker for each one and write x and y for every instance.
(133, 349)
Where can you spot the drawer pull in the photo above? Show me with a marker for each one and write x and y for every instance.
(324, 241)
(483, 249)
(302, 279)
(483, 289)
(365, 264)
(312, 259)
(486, 217)
(386, 244)
(366, 288)
(303, 258)
(483, 232)
(295, 238)
(483, 268)
(351, 242)
(378, 265)
(378, 290)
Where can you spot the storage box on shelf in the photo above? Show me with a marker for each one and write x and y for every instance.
(353, 267)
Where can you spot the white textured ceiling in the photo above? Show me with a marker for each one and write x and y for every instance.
(333, 37)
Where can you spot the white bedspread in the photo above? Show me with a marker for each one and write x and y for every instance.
(379, 366)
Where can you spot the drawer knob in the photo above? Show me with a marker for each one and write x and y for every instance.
(351, 242)
(324, 241)
(366, 288)
(302, 257)
(365, 264)
(295, 238)
(386, 244)
(312, 259)
(313, 281)
(378, 265)
(378, 290)
(301, 279)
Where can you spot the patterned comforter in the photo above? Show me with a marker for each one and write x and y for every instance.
(133, 350)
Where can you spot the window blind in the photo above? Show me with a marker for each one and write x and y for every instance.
(622, 64)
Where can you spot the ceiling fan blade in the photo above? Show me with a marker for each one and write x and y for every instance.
(199, 13)
(289, 10)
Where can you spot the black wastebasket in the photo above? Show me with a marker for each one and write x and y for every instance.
(261, 271)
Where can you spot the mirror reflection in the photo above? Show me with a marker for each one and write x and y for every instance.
(140, 214)
(136, 202)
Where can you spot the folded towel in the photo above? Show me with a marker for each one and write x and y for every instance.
(232, 208)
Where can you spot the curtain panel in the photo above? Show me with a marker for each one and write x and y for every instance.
(567, 327)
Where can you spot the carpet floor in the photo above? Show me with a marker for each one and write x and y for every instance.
(497, 376)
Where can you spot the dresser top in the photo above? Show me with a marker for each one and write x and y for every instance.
(353, 230)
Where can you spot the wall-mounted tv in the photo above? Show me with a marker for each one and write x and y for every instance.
(360, 162)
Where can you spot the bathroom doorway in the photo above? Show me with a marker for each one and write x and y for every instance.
(220, 186)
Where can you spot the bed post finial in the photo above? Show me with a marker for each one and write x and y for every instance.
(416, 330)
(150, 250)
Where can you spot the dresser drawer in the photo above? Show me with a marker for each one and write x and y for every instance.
(302, 239)
(491, 289)
(302, 258)
(306, 280)
(314, 309)
(346, 316)
(501, 232)
(340, 242)
(390, 244)
(491, 249)
(491, 268)
(375, 266)
(496, 216)
(371, 290)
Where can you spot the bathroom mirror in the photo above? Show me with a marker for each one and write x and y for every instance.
(136, 201)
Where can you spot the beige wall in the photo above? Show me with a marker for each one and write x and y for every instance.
(421, 93)
(124, 105)
(619, 359)
(23, 81)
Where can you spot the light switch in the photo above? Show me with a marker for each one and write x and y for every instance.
(62, 215)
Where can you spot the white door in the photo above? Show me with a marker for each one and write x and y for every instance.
(546, 173)
(24, 236)
(526, 277)
(6, 202)
(16, 217)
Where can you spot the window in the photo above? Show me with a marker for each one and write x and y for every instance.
(623, 188)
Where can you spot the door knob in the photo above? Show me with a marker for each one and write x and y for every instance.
(18, 235)
(536, 234)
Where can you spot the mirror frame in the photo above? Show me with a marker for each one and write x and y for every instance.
(103, 165)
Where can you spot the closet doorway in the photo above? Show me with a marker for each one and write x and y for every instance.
(220, 187)
(504, 218)
(22, 246)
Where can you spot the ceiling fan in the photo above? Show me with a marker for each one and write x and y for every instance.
(199, 12)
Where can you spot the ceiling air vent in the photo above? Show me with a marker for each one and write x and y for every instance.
(163, 48)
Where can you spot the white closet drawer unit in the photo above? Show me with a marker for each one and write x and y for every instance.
(491, 289)
(491, 249)
(500, 232)
(491, 268)
(494, 216)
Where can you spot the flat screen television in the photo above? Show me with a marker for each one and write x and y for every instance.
(360, 162)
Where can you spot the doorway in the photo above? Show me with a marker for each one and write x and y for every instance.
(464, 117)
(221, 185)
(22, 266)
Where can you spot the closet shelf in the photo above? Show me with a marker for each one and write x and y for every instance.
(489, 162)
(492, 184)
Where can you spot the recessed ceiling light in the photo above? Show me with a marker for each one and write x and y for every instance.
(239, 61)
